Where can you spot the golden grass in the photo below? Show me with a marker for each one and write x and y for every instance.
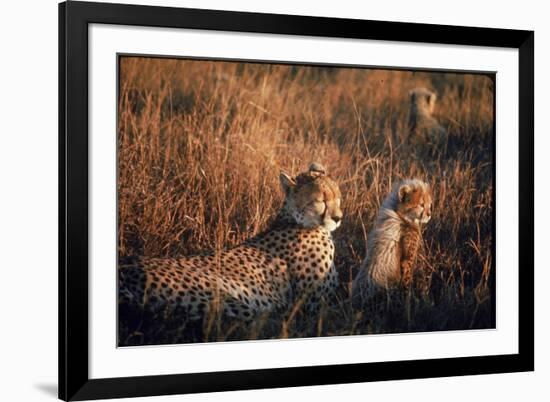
(201, 145)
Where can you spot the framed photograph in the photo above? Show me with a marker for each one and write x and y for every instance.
(257, 200)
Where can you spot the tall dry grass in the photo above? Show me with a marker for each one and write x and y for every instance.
(201, 144)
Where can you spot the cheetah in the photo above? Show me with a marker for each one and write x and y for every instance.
(291, 260)
(394, 241)
(422, 124)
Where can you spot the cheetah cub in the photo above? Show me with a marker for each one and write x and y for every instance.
(291, 260)
(422, 124)
(395, 238)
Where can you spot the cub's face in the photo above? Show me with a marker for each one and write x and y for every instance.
(313, 199)
(424, 100)
(415, 202)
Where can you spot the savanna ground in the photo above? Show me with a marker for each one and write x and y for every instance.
(201, 145)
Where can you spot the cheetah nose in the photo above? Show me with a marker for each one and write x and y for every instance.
(336, 218)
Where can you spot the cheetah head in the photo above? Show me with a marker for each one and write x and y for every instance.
(414, 201)
(312, 198)
(423, 101)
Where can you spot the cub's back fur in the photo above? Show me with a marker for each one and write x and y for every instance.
(394, 240)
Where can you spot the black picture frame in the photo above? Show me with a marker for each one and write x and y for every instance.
(74, 381)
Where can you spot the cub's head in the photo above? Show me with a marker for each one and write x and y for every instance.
(312, 198)
(422, 100)
(414, 201)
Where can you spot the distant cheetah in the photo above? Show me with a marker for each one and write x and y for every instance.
(421, 122)
(293, 259)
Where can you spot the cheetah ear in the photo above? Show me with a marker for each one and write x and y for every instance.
(433, 98)
(317, 168)
(404, 189)
(287, 182)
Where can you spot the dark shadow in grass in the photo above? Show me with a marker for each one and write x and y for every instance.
(48, 389)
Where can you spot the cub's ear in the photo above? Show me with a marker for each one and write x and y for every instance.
(404, 189)
(287, 182)
(432, 98)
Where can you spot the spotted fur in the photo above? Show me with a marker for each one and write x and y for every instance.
(292, 260)
(395, 238)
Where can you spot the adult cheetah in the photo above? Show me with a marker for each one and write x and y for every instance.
(291, 260)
